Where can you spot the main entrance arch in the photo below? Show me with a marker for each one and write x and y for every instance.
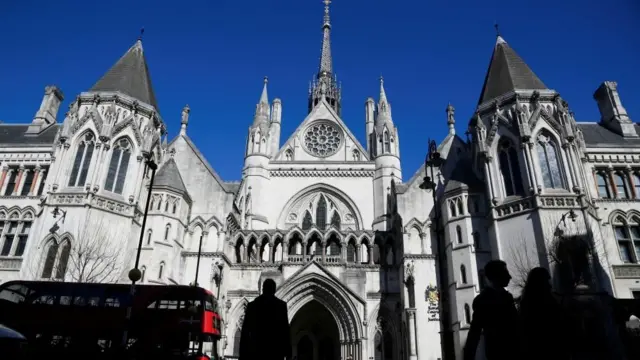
(314, 333)
(339, 326)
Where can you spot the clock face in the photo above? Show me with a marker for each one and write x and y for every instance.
(322, 139)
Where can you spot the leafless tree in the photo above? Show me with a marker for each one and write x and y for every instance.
(96, 254)
(523, 259)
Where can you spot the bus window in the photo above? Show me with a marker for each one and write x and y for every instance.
(65, 300)
(44, 299)
(15, 293)
(209, 304)
(111, 302)
(79, 301)
(168, 304)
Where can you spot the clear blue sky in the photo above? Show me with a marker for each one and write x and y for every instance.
(213, 54)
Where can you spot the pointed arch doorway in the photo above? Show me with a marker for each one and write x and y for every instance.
(314, 333)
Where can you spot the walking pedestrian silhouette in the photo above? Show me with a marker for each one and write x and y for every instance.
(495, 317)
(265, 331)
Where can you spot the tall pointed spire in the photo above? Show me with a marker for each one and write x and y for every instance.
(507, 72)
(384, 108)
(130, 76)
(326, 62)
(325, 85)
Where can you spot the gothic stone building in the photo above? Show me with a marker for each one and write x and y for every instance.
(348, 239)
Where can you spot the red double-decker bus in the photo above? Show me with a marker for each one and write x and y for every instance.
(79, 318)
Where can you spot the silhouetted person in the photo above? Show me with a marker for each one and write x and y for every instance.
(265, 330)
(494, 316)
(542, 321)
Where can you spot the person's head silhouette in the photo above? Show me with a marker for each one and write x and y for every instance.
(269, 287)
(538, 281)
(497, 273)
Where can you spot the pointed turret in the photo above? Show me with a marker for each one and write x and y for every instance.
(261, 117)
(384, 110)
(130, 76)
(325, 85)
(507, 72)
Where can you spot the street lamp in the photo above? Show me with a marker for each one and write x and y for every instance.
(135, 274)
(434, 160)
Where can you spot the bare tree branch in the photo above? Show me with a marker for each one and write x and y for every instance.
(523, 260)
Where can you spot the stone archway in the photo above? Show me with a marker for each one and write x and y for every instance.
(314, 333)
(331, 299)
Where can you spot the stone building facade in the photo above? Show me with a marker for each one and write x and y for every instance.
(348, 239)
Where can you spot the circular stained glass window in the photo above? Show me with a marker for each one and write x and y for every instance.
(322, 139)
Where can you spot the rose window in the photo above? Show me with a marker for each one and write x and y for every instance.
(322, 139)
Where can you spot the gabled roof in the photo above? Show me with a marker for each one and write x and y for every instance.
(14, 135)
(507, 72)
(130, 76)
(169, 176)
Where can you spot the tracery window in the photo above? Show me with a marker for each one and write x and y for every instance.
(322, 139)
(321, 213)
(57, 258)
(510, 169)
(118, 166)
(628, 236)
(82, 161)
(550, 167)
(288, 154)
(307, 221)
(335, 220)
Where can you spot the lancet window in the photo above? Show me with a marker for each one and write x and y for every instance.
(510, 169)
(550, 167)
(82, 161)
(118, 167)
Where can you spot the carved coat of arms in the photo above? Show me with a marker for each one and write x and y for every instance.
(432, 295)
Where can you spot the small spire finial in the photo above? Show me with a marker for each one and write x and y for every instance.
(497, 27)
(141, 33)
(381, 79)
(266, 80)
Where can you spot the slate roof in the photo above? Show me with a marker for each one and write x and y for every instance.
(507, 72)
(596, 135)
(14, 135)
(130, 75)
(463, 177)
(169, 176)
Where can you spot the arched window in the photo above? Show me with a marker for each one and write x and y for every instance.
(452, 208)
(636, 185)
(411, 291)
(57, 258)
(160, 270)
(166, 205)
(307, 221)
(81, 163)
(149, 233)
(63, 261)
(510, 169)
(351, 251)
(603, 185)
(288, 154)
(356, 155)
(628, 236)
(460, 206)
(335, 220)
(467, 314)
(143, 271)
(175, 206)
(459, 234)
(463, 274)
(622, 186)
(321, 213)
(118, 166)
(550, 168)
(387, 143)
(167, 229)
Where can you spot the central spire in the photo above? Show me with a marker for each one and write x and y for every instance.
(325, 85)
(326, 67)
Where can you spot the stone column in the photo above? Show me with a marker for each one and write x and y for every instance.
(36, 178)
(411, 315)
(528, 164)
(8, 173)
(5, 169)
(532, 164)
(285, 251)
(60, 164)
(103, 168)
(569, 167)
(16, 188)
(137, 190)
(323, 248)
(20, 185)
(487, 174)
(42, 176)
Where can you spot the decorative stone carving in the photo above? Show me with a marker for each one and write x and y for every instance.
(408, 270)
(322, 139)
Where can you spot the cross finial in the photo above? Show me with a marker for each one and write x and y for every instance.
(497, 26)
(141, 33)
